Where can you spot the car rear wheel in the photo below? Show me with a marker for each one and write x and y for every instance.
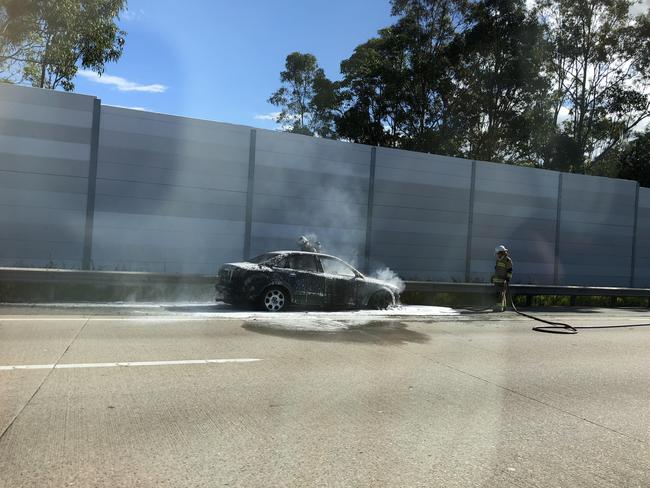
(382, 300)
(275, 299)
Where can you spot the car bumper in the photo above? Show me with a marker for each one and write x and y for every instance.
(225, 293)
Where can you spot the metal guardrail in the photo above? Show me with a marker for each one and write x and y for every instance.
(530, 291)
(135, 278)
(81, 277)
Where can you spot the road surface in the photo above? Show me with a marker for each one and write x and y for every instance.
(201, 396)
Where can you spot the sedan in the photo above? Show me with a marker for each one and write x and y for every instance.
(278, 280)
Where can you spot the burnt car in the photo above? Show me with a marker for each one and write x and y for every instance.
(277, 280)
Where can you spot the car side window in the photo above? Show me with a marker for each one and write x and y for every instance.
(303, 262)
(336, 267)
(282, 263)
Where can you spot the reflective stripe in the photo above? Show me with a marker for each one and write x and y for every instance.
(503, 268)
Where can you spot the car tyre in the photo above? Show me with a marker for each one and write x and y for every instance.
(381, 300)
(274, 299)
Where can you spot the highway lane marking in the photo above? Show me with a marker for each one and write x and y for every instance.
(20, 319)
(117, 318)
(127, 364)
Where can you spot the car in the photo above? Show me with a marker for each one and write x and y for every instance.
(277, 280)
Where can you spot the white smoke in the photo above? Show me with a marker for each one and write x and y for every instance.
(388, 275)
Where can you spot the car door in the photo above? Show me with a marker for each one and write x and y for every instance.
(303, 275)
(341, 282)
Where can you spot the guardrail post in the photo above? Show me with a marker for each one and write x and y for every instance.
(92, 186)
(371, 203)
(249, 194)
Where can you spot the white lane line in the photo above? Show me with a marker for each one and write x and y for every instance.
(142, 318)
(34, 318)
(127, 364)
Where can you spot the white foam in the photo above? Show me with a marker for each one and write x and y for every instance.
(169, 313)
(223, 310)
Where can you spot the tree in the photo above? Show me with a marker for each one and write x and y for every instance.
(45, 42)
(325, 107)
(561, 153)
(370, 93)
(504, 88)
(634, 163)
(399, 88)
(308, 100)
(451, 77)
(425, 33)
(599, 64)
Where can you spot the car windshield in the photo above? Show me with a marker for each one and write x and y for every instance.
(336, 267)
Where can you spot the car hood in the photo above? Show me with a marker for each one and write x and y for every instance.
(246, 265)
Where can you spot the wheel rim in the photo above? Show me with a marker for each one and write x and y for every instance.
(383, 301)
(274, 300)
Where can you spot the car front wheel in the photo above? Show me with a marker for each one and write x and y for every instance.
(275, 299)
(382, 300)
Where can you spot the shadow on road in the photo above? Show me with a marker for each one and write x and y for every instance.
(201, 308)
(385, 333)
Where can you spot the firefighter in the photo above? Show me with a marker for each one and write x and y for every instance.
(307, 245)
(502, 276)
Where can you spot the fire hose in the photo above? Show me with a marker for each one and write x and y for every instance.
(561, 327)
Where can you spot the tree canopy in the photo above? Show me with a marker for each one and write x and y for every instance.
(45, 42)
(563, 85)
(306, 98)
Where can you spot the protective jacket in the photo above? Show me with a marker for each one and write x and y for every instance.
(503, 269)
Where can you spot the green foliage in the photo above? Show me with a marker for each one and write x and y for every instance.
(634, 162)
(500, 68)
(563, 85)
(45, 42)
(371, 92)
(598, 59)
(562, 153)
(308, 100)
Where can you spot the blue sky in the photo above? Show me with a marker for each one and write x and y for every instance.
(221, 60)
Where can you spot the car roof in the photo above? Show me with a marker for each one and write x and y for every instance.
(304, 252)
(315, 254)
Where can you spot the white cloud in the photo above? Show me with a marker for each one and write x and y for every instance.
(273, 116)
(640, 7)
(131, 15)
(120, 83)
(128, 15)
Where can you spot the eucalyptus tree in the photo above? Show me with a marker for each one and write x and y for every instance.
(505, 107)
(45, 42)
(307, 98)
(599, 62)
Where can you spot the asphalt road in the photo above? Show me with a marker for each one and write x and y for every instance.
(125, 397)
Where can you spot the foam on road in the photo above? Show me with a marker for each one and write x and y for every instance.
(158, 313)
